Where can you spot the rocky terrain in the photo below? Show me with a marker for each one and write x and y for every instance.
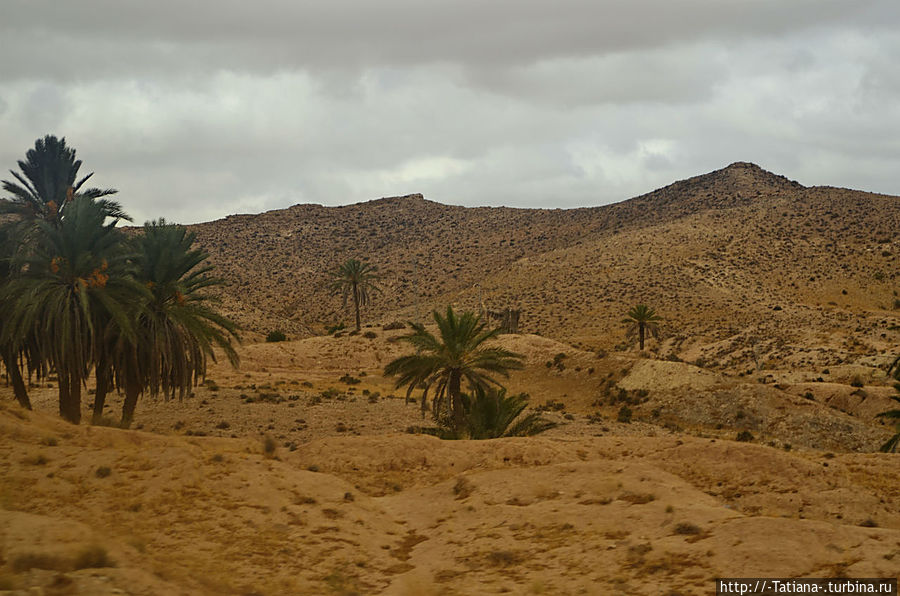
(746, 266)
(742, 443)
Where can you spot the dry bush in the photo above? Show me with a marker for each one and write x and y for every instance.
(92, 557)
(463, 488)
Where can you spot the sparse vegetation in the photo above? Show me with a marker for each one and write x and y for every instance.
(276, 335)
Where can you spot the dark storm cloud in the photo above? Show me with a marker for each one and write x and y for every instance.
(199, 109)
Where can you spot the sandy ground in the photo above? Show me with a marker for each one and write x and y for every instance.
(345, 501)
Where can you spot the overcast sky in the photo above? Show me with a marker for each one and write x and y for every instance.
(195, 110)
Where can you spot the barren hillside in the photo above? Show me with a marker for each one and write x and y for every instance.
(740, 256)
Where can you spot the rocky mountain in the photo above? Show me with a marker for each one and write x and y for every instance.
(742, 263)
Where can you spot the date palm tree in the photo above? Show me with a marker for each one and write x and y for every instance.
(177, 330)
(357, 280)
(11, 352)
(48, 184)
(642, 320)
(442, 363)
(491, 414)
(76, 278)
(891, 445)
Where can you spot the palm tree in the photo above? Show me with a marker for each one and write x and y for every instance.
(357, 280)
(642, 320)
(75, 280)
(49, 183)
(442, 363)
(491, 414)
(891, 445)
(11, 351)
(177, 330)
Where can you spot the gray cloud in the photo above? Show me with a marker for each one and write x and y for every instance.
(196, 111)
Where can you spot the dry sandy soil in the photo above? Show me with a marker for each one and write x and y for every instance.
(347, 502)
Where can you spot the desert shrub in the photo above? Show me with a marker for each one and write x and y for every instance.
(103, 472)
(869, 523)
(745, 436)
(394, 325)
(49, 442)
(335, 328)
(330, 393)
(463, 488)
(551, 405)
(269, 446)
(687, 529)
(92, 557)
(276, 336)
(503, 558)
(856, 381)
(370, 335)
(35, 460)
(349, 380)
(223, 425)
(624, 415)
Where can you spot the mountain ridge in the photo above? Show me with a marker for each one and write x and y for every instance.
(739, 239)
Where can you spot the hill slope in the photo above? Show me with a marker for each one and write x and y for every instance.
(739, 255)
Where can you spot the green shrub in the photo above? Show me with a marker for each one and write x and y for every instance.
(745, 436)
(275, 336)
(349, 380)
(624, 415)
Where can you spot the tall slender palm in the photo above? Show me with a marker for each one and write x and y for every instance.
(357, 280)
(177, 330)
(49, 183)
(642, 320)
(443, 362)
(75, 279)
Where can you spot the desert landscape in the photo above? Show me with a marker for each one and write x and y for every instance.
(743, 441)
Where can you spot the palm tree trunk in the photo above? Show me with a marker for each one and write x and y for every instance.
(641, 335)
(70, 397)
(453, 388)
(15, 377)
(132, 391)
(101, 391)
(356, 305)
